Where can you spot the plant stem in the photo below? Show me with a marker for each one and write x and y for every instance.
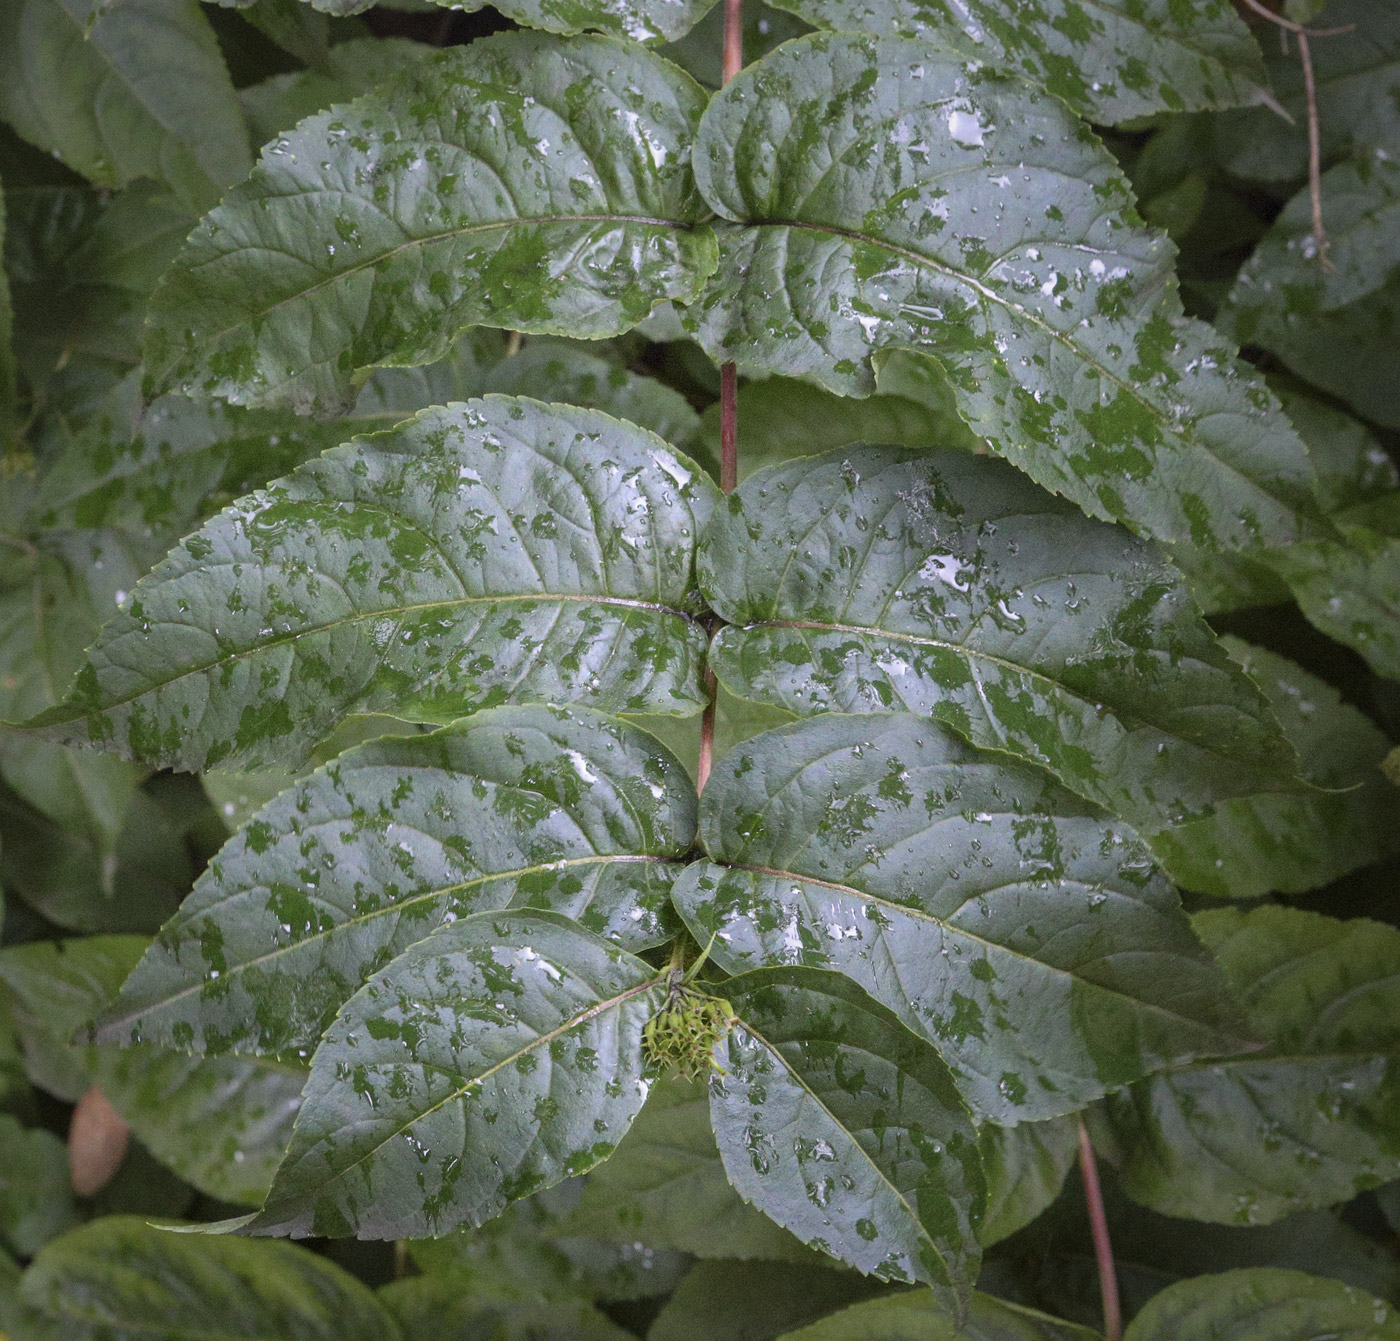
(1103, 1248)
(728, 398)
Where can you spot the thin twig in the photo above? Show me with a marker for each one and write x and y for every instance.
(1103, 1247)
(707, 734)
(733, 38)
(1303, 34)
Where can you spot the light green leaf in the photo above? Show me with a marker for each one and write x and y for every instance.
(1112, 60)
(1025, 1168)
(666, 1187)
(947, 584)
(917, 1316)
(517, 807)
(520, 182)
(1255, 845)
(1264, 1305)
(36, 1199)
(1310, 1120)
(1032, 941)
(846, 1128)
(120, 1279)
(221, 1123)
(903, 201)
(484, 552)
(141, 92)
(498, 1056)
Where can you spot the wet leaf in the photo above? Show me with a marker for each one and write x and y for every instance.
(906, 201)
(437, 1306)
(1111, 61)
(137, 89)
(666, 1187)
(1025, 1167)
(1311, 1119)
(846, 1128)
(917, 1314)
(520, 182)
(485, 552)
(1258, 844)
(497, 1057)
(222, 1123)
(1264, 1305)
(119, 1278)
(517, 807)
(1031, 940)
(946, 584)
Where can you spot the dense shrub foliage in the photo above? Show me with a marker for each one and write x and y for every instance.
(643, 693)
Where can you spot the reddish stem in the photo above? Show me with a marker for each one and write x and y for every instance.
(733, 38)
(728, 427)
(1103, 1248)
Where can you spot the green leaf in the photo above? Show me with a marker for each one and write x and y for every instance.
(946, 584)
(1111, 61)
(1257, 844)
(1355, 70)
(520, 182)
(497, 550)
(517, 807)
(119, 1279)
(221, 1123)
(1264, 1305)
(904, 1317)
(1032, 941)
(137, 90)
(701, 50)
(666, 1187)
(36, 1200)
(755, 1301)
(903, 202)
(349, 69)
(1311, 1119)
(9, 377)
(437, 1306)
(1025, 1168)
(847, 1129)
(498, 1056)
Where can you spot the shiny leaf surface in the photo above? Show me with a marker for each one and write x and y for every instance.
(1311, 1119)
(847, 1129)
(1032, 941)
(946, 584)
(495, 1058)
(521, 182)
(903, 200)
(516, 807)
(484, 552)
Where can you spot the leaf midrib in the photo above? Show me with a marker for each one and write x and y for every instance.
(920, 915)
(111, 1023)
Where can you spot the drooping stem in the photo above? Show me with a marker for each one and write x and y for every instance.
(1303, 34)
(1103, 1247)
(728, 397)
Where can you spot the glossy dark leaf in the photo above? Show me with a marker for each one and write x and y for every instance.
(221, 1123)
(517, 807)
(1112, 61)
(119, 1279)
(1259, 844)
(1310, 1120)
(846, 1128)
(521, 182)
(484, 552)
(1264, 1305)
(1025, 1167)
(495, 1058)
(947, 585)
(666, 1187)
(903, 200)
(1032, 941)
(139, 90)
